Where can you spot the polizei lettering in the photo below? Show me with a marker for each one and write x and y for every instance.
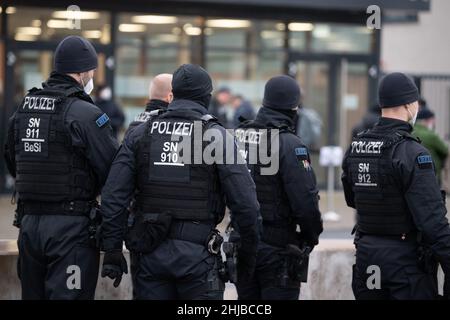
(248, 136)
(39, 103)
(367, 146)
(175, 128)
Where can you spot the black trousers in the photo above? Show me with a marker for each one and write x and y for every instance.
(265, 284)
(402, 277)
(55, 259)
(176, 269)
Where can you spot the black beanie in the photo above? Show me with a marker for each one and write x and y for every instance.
(75, 54)
(397, 89)
(424, 114)
(281, 92)
(192, 82)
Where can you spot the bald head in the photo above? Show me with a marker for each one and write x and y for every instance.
(161, 87)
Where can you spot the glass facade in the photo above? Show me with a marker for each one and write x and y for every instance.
(42, 24)
(241, 54)
(329, 37)
(148, 45)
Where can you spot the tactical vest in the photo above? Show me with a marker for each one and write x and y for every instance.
(274, 204)
(143, 117)
(48, 168)
(381, 207)
(166, 184)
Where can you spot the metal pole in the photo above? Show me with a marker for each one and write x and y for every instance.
(330, 193)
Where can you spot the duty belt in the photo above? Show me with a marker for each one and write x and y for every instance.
(71, 208)
(407, 237)
(192, 231)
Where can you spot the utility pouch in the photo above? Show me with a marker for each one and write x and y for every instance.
(427, 261)
(147, 232)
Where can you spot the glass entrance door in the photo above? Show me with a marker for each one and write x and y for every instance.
(336, 88)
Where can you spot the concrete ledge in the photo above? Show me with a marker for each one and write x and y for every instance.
(330, 274)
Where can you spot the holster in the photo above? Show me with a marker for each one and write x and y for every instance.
(230, 248)
(94, 229)
(295, 265)
(215, 277)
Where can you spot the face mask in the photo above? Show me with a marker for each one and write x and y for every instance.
(413, 119)
(89, 85)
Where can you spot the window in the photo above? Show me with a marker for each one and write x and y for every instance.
(32, 24)
(148, 45)
(244, 54)
(322, 37)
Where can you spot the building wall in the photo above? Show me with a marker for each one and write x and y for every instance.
(422, 47)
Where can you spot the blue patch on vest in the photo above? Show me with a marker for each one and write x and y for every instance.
(102, 120)
(301, 152)
(424, 159)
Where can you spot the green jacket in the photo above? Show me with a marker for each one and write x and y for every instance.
(437, 147)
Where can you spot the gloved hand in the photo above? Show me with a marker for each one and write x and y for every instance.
(246, 259)
(114, 266)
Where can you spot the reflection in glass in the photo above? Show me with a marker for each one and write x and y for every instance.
(34, 24)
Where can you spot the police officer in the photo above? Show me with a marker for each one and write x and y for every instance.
(388, 177)
(288, 196)
(176, 249)
(160, 95)
(60, 147)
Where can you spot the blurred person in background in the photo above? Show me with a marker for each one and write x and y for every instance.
(159, 94)
(424, 130)
(218, 105)
(309, 127)
(368, 121)
(105, 102)
(243, 110)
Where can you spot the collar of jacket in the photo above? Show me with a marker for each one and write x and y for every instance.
(64, 82)
(390, 124)
(182, 104)
(155, 104)
(273, 118)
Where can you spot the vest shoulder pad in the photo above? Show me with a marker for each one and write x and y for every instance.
(209, 117)
(156, 112)
(408, 135)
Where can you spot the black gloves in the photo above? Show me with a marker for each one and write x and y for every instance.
(246, 259)
(310, 232)
(114, 266)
